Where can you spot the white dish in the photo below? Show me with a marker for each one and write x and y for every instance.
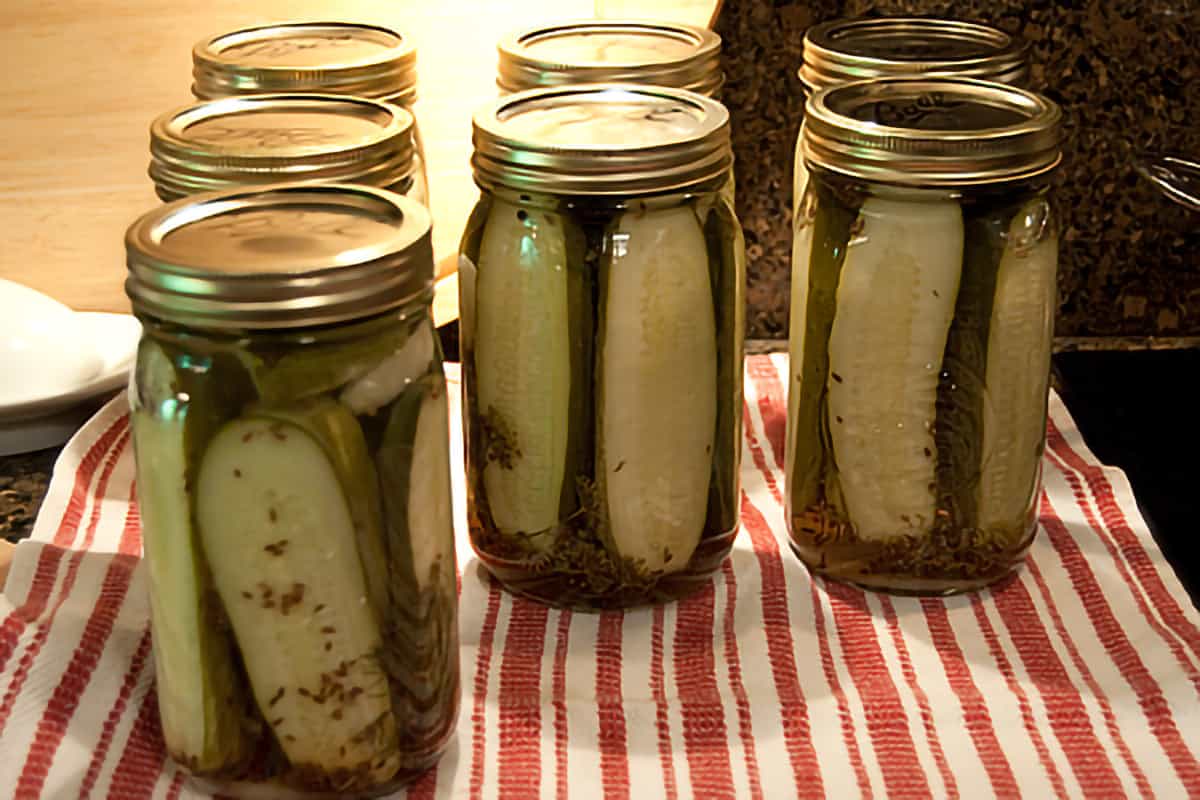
(54, 360)
(112, 339)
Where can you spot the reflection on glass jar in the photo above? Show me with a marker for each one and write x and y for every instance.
(289, 418)
(602, 344)
(923, 301)
(340, 58)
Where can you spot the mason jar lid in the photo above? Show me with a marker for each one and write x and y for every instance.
(280, 256)
(916, 132)
(601, 139)
(238, 141)
(325, 57)
(847, 50)
(612, 51)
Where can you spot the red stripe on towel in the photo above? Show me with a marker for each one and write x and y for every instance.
(1064, 705)
(705, 737)
(519, 699)
(483, 664)
(662, 708)
(976, 717)
(51, 555)
(25, 665)
(610, 707)
(1119, 648)
(886, 718)
(736, 684)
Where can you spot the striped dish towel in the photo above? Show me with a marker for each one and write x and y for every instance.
(1079, 679)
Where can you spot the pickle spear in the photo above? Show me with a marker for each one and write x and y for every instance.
(522, 367)
(332, 425)
(895, 301)
(278, 532)
(658, 387)
(384, 382)
(201, 698)
(1018, 367)
(414, 471)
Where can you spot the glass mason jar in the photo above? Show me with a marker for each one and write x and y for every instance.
(923, 302)
(313, 57)
(289, 417)
(847, 50)
(601, 292)
(260, 139)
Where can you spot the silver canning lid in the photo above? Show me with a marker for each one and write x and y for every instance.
(612, 51)
(259, 139)
(601, 139)
(280, 256)
(916, 132)
(849, 50)
(323, 57)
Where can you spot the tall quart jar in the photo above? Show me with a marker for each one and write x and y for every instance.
(923, 302)
(289, 418)
(847, 50)
(601, 293)
(260, 139)
(313, 57)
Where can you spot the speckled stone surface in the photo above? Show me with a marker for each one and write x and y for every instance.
(23, 482)
(1127, 73)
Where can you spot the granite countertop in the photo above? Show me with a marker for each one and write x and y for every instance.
(1136, 411)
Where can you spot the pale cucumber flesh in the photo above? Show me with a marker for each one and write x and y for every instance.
(895, 301)
(279, 536)
(522, 366)
(658, 388)
(1018, 367)
(383, 383)
(200, 696)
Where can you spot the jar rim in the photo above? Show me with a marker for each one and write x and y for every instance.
(697, 150)
(847, 50)
(522, 66)
(932, 132)
(259, 139)
(387, 70)
(279, 256)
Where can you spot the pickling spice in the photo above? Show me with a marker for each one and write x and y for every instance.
(601, 290)
(923, 295)
(289, 418)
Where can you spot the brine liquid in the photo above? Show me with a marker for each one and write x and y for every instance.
(973, 471)
(574, 560)
(201, 386)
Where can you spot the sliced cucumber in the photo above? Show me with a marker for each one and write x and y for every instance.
(523, 366)
(729, 274)
(385, 381)
(802, 239)
(201, 698)
(1018, 368)
(333, 426)
(326, 367)
(279, 535)
(959, 432)
(414, 470)
(819, 248)
(658, 387)
(895, 301)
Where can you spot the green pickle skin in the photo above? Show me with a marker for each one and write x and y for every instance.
(955, 555)
(581, 567)
(295, 379)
